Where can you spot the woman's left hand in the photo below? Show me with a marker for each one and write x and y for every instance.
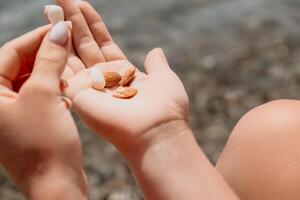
(39, 143)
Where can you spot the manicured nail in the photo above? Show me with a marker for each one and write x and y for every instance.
(63, 85)
(59, 33)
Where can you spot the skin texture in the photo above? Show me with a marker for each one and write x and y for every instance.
(147, 129)
(261, 158)
(160, 90)
(39, 142)
(259, 161)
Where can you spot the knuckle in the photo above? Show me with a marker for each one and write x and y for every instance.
(85, 5)
(87, 40)
(52, 57)
(49, 59)
(40, 87)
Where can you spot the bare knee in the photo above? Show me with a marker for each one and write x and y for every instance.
(262, 157)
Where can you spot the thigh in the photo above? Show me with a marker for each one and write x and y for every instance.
(261, 160)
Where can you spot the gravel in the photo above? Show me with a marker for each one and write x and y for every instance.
(231, 55)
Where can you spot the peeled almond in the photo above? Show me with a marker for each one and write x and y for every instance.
(98, 80)
(55, 14)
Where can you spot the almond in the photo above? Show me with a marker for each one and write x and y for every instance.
(98, 81)
(111, 78)
(128, 76)
(125, 92)
(55, 14)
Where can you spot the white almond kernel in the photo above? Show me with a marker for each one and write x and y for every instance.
(98, 80)
(55, 14)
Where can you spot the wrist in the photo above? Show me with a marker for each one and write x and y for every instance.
(55, 187)
(164, 134)
(166, 169)
(53, 181)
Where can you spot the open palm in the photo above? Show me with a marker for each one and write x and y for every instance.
(161, 97)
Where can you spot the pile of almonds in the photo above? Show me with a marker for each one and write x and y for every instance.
(101, 80)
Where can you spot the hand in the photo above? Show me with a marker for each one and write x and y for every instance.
(128, 124)
(151, 129)
(39, 142)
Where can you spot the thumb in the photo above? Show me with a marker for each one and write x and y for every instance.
(156, 61)
(51, 59)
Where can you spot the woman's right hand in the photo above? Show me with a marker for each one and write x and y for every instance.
(128, 124)
(151, 130)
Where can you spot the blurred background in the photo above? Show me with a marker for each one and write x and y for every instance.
(231, 55)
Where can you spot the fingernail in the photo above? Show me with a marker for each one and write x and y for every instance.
(63, 85)
(77, 1)
(59, 33)
(68, 102)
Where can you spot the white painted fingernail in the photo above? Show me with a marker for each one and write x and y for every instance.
(59, 33)
(55, 14)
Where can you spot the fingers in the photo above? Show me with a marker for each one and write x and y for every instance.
(156, 62)
(95, 22)
(74, 62)
(51, 60)
(19, 51)
(84, 42)
(100, 32)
